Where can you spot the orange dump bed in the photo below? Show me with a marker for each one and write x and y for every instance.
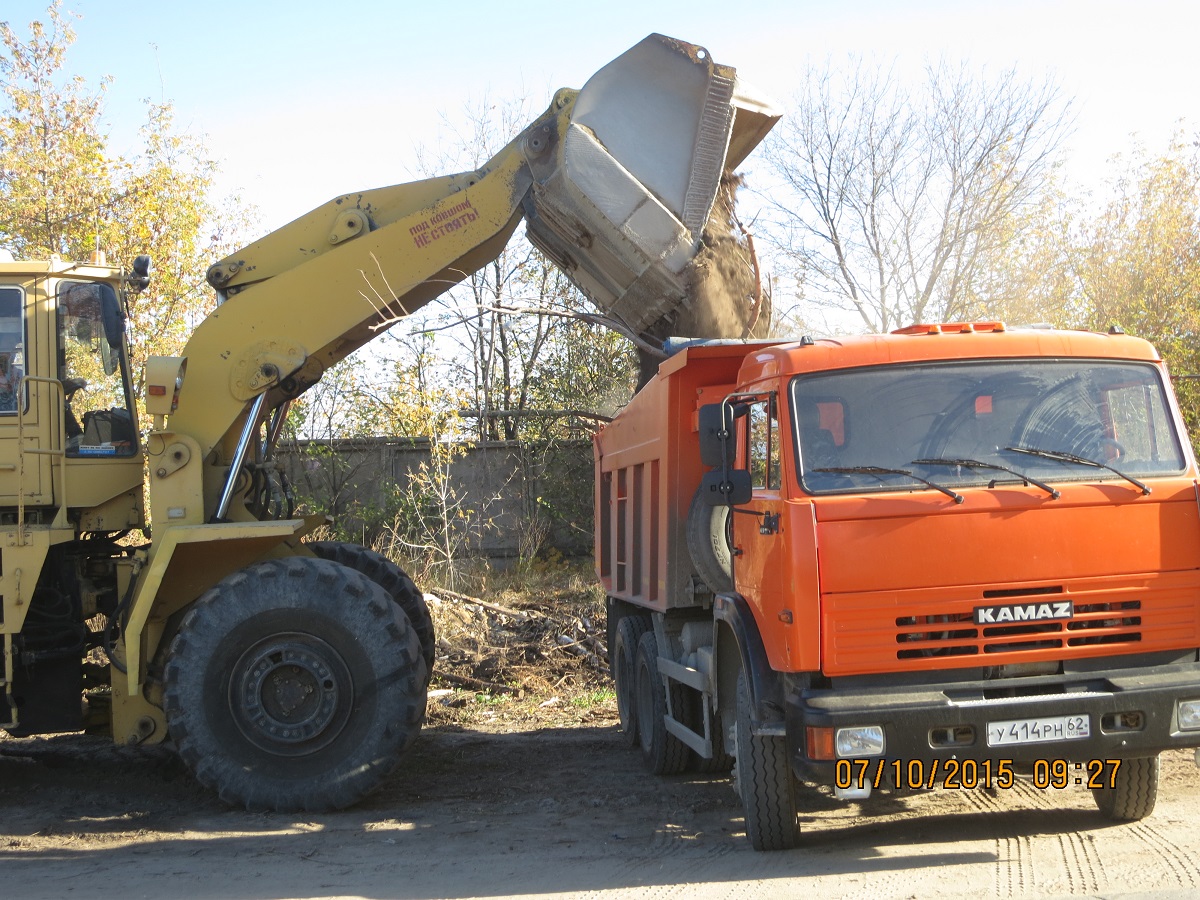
(647, 470)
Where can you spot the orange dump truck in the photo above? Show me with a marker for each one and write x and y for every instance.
(953, 555)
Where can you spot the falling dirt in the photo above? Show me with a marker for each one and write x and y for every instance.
(725, 295)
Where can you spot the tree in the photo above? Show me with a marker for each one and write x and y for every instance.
(64, 192)
(504, 331)
(1128, 260)
(900, 196)
(55, 178)
(425, 517)
(1137, 262)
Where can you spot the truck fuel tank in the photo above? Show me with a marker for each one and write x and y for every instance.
(621, 199)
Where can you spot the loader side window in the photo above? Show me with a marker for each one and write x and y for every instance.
(12, 347)
(94, 374)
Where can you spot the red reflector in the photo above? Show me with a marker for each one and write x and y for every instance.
(819, 743)
(156, 390)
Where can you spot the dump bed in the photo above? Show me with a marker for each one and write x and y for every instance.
(647, 471)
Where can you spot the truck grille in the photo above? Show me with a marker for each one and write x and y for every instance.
(958, 635)
(874, 632)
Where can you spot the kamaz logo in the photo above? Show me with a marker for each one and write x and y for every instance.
(1029, 612)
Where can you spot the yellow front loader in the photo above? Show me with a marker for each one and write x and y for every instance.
(293, 675)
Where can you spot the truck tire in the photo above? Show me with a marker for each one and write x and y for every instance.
(294, 684)
(392, 579)
(763, 778)
(630, 629)
(662, 752)
(1134, 793)
(708, 543)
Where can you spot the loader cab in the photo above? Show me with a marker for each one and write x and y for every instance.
(68, 431)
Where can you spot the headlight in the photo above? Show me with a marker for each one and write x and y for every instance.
(867, 740)
(1189, 715)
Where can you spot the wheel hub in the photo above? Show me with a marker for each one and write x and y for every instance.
(290, 694)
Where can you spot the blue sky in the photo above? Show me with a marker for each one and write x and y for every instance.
(303, 101)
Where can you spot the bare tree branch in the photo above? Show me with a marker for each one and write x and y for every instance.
(898, 196)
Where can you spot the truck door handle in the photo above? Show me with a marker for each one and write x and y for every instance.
(769, 524)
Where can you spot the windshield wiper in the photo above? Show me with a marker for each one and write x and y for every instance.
(879, 470)
(968, 463)
(1063, 456)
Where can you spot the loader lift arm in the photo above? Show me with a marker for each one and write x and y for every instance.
(615, 181)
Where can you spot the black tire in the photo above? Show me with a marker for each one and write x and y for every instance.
(765, 782)
(630, 629)
(1134, 793)
(707, 531)
(392, 579)
(294, 684)
(662, 752)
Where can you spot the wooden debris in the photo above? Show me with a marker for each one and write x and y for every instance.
(482, 644)
(464, 598)
(478, 684)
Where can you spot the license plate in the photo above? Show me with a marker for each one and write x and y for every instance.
(1038, 731)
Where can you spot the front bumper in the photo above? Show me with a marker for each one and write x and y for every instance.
(1131, 713)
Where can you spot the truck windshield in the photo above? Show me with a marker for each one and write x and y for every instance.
(968, 424)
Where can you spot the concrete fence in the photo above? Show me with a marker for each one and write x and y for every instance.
(513, 496)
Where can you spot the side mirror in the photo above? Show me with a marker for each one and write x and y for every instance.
(112, 315)
(139, 279)
(732, 488)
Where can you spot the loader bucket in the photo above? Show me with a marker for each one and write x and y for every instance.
(623, 201)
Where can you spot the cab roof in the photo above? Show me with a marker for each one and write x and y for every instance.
(926, 343)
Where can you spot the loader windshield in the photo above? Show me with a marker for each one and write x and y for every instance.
(1041, 421)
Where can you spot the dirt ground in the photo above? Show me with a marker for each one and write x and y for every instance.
(521, 786)
(544, 801)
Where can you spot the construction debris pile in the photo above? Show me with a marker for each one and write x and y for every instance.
(552, 643)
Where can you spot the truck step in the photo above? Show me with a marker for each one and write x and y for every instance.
(685, 675)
